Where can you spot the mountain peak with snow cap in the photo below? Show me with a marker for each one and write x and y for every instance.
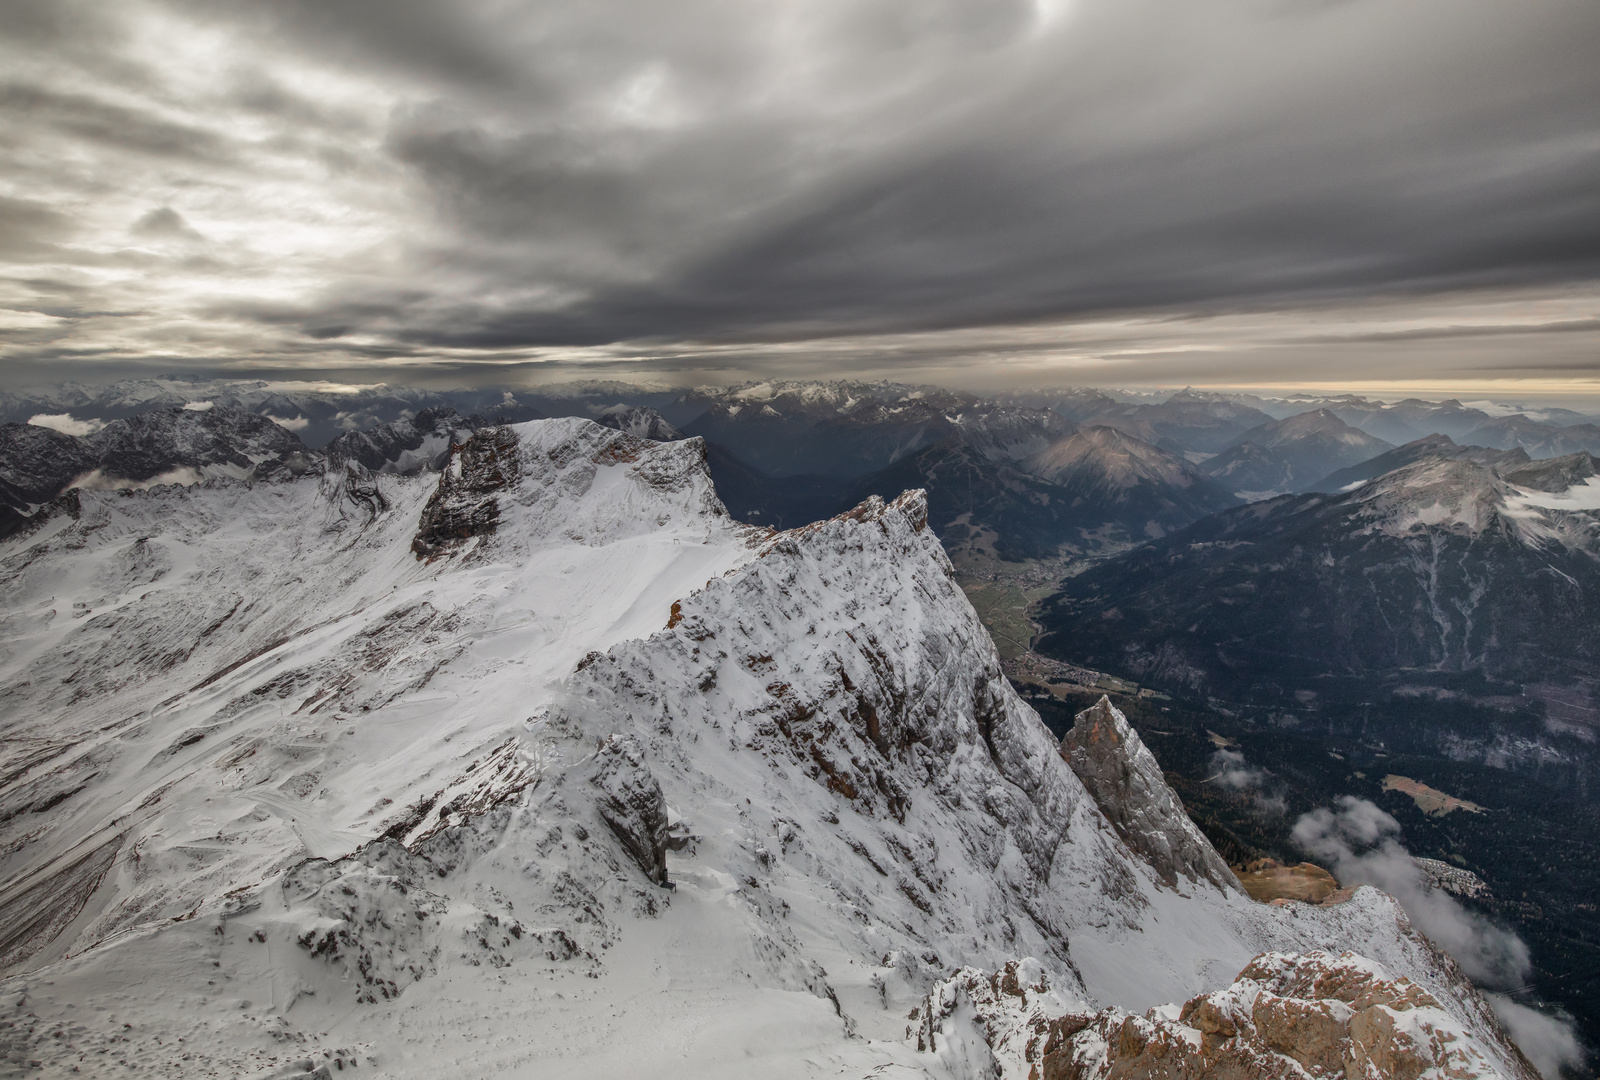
(284, 789)
(640, 421)
(1439, 492)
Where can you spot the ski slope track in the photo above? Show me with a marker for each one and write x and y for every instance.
(544, 766)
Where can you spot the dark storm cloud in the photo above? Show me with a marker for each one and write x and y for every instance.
(384, 179)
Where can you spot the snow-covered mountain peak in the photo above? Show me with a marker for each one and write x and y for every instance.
(640, 421)
(265, 651)
(279, 787)
(572, 478)
(1433, 492)
(1554, 506)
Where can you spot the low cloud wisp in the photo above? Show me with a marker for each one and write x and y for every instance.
(1230, 770)
(66, 423)
(1360, 843)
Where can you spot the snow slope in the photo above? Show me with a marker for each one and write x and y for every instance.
(280, 795)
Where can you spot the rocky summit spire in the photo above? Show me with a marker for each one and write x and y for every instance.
(1122, 775)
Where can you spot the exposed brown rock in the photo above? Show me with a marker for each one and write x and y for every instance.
(1286, 1017)
(630, 802)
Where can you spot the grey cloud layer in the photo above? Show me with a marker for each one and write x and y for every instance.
(366, 180)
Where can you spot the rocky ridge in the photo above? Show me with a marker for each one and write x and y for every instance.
(1286, 1016)
(1347, 479)
(312, 797)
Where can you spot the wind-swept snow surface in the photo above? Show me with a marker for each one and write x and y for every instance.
(294, 782)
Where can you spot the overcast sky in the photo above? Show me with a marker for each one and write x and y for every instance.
(1240, 192)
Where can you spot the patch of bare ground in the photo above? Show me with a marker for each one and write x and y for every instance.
(1269, 881)
(1430, 801)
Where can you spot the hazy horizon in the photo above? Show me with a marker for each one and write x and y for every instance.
(208, 385)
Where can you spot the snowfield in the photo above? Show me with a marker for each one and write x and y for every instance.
(603, 783)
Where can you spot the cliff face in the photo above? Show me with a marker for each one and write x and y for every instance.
(1126, 782)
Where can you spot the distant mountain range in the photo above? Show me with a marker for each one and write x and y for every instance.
(1288, 455)
(162, 446)
(1091, 489)
(1020, 481)
(1077, 471)
(1188, 421)
(1442, 565)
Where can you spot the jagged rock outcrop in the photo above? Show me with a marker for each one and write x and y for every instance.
(1127, 785)
(1288, 1017)
(631, 804)
(990, 1024)
(467, 501)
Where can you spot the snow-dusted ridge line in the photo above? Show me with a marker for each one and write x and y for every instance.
(423, 826)
(219, 592)
(1286, 1016)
